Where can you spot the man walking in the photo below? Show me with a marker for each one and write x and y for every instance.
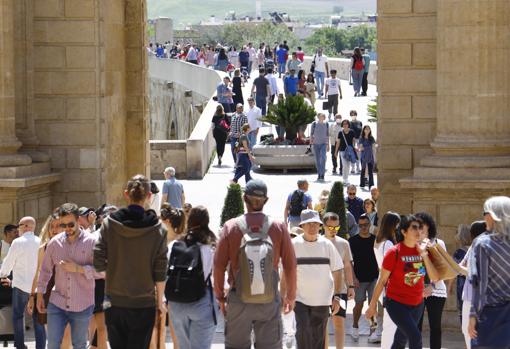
(297, 201)
(354, 203)
(334, 92)
(366, 272)
(320, 62)
(10, 233)
(252, 247)
(319, 282)
(22, 261)
(237, 122)
(173, 191)
(69, 257)
(262, 90)
(364, 82)
(253, 114)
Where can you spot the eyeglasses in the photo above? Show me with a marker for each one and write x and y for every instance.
(485, 213)
(415, 226)
(337, 228)
(68, 225)
(363, 225)
(351, 194)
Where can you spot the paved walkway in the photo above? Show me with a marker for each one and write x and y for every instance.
(211, 191)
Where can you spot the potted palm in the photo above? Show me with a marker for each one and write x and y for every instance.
(291, 113)
(293, 152)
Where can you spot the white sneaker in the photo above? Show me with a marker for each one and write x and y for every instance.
(374, 338)
(355, 334)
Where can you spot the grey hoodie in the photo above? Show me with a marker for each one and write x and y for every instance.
(132, 249)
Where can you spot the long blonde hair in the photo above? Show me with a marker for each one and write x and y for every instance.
(45, 234)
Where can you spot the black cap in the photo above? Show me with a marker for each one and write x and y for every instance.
(83, 211)
(10, 227)
(256, 187)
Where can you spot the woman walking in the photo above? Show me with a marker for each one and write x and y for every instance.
(385, 240)
(489, 272)
(220, 131)
(357, 70)
(345, 144)
(244, 156)
(237, 88)
(366, 147)
(310, 88)
(435, 292)
(403, 272)
(221, 61)
(195, 322)
(319, 139)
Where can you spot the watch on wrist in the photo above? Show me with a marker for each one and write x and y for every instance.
(351, 286)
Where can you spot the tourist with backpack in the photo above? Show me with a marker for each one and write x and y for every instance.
(297, 201)
(319, 282)
(251, 248)
(188, 287)
(135, 281)
(357, 71)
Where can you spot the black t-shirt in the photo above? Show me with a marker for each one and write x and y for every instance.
(349, 137)
(261, 84)
(356, 126)
(363, 256)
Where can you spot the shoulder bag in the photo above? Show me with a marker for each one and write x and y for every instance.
(349, 153)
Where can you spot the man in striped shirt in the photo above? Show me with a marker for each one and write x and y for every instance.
(70, 256)
(238, 120)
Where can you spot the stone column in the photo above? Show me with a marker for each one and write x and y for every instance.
(9, 144)
(473, 79)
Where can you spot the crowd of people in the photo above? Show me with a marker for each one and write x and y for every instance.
(90, 278)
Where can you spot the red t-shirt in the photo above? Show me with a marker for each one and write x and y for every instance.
(405, 284)
(300, 55)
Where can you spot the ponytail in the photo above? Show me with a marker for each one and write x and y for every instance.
(138, 188)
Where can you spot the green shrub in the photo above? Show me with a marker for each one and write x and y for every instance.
(233, 206)
(336, 204)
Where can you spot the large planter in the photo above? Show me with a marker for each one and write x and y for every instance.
(283, 157)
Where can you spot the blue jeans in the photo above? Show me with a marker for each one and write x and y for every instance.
(19, 304)
(58, 320)
(261, 102)
(281, 67)
(319, 150)
(40, 333)
(194, 323)
(357, 79)
(233, 141)
(406, 317)
(319, 78)
(252, 137)
(243, 167)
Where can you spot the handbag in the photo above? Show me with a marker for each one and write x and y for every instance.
(446, 267)
(325, 105)
(349, 154)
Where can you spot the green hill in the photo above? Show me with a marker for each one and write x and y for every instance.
(185, 12)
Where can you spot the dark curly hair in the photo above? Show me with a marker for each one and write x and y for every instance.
(427, 220)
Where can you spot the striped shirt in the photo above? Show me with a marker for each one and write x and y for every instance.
(238, 120)
(489, 272)
(73, 291)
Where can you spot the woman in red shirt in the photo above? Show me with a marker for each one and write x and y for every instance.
(402, 272)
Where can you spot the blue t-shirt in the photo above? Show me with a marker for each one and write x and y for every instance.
(291, 84)
(307, 198)
(244, 56)
(281, 53)
(173, 188)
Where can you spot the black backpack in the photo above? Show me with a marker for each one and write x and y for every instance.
(297, 203)
(185, 283)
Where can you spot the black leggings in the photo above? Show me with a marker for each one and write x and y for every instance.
(434, 307)
(220, 138)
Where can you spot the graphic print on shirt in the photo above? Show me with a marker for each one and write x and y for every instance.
(414, 269)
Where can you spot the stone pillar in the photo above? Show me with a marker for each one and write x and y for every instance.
(473, 80)
(9, 143)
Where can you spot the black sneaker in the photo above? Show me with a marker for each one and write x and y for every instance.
(334, 171)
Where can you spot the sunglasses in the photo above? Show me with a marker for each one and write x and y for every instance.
(362, 225)
(68, 225)
(337, 228)
(485, 213)
(415, 226)
(352, 194)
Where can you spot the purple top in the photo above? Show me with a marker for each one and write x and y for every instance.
(73, 291)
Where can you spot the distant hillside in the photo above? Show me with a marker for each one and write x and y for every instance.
(192, 11)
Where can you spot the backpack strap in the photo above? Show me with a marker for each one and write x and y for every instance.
(242, 224)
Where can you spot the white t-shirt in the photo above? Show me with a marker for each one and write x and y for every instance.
(207, 254)
(344, 249)
(320, 63)
(316, 262)
(381, 250)
(333, 86)
(253, 53)
(253, 116)
(5, 250)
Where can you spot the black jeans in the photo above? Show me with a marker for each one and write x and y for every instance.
(336, 160)
(311, 323)
(406, 317)
(370, 175)
(130, 328)
(364, 84)
(434, 307)
(221, 138)
(333, 104)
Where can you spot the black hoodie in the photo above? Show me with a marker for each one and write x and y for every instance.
(132, 249)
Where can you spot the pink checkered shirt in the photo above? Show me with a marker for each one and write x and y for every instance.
(73, 291)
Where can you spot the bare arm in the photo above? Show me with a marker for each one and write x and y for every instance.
(337, 144)
(286, 212)
(164, 198)
(338, 280)
(383, 279)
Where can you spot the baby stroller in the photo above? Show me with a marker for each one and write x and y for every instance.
(244, 73)
(269, 64)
